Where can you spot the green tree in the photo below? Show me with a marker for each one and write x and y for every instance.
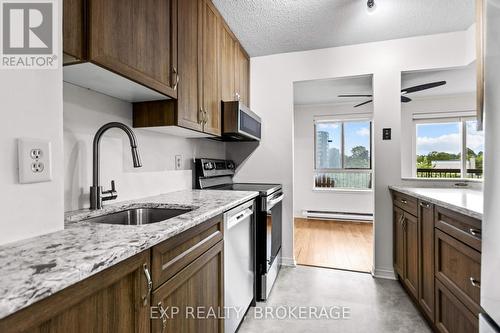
(360, 158)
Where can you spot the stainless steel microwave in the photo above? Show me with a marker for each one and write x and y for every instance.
(239, 123)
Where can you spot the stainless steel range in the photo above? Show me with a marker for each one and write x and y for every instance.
(213, 174)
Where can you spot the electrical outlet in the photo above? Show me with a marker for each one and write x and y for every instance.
(178, 162)
(34, 161)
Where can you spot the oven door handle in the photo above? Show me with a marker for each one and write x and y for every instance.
(271, 203)
(241, 216)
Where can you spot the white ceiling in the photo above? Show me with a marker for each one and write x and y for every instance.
(276, 26)
(459, 81)
(327, 91)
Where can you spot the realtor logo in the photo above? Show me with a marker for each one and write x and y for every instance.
(28, 34)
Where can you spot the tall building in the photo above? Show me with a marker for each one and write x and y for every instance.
(322, 149)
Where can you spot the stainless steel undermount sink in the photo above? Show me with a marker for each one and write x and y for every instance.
(139, 216)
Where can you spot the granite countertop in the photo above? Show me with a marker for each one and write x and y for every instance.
(35, 268)
(462, 200)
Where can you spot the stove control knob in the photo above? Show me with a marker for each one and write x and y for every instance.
(208, 166)
(230, 165)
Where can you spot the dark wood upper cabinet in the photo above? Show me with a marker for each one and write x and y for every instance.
(235, 69)
(426, 254)
(242, 71)
(211, 69)
(190, 57)
(228, 64)
(136, 39)
(74, 23)
(198, 106)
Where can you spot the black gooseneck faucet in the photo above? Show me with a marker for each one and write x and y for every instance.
(97, 195)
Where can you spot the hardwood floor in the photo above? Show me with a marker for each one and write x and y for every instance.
(334, 244)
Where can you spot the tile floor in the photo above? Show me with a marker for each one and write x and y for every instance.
(375, 305)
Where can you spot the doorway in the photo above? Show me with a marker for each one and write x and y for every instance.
(333, 195)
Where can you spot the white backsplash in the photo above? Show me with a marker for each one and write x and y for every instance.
(84, 112)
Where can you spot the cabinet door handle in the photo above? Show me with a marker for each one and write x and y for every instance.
(149, 282)
(163, 317)
(238, 97)
(200, 116)
(177, 78)
(401, 219)
(403, 201)
(205, 118)
(425, 204)
(475, 232)
(475, 282)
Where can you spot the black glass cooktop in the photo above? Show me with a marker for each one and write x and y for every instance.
(263, 189)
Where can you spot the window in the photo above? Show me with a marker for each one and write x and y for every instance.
(343, 154)
(441, 145)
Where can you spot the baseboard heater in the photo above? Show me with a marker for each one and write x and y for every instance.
(365, 217)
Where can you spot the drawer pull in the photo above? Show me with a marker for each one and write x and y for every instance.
(425, 205)
(475, 232)
(404, 201)
(149, 282)
(475, 282)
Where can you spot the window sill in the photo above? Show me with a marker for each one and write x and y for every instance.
(451, 180)
(342, 190)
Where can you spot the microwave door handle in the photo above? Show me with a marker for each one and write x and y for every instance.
(241, 216)
(273, 201)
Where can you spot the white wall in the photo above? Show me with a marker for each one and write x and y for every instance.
(305, 197)
(84, 112)
(434, 104)
(31, 106)
(272, 80)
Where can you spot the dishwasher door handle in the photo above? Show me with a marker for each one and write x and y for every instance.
(237, 218)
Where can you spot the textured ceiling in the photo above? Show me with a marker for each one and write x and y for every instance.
(276, 26)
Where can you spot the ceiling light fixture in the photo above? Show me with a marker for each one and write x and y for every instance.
(371, 6)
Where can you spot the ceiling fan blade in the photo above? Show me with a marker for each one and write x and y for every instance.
(355, 95)
(357, 106)
(405, 99)
(423, 87)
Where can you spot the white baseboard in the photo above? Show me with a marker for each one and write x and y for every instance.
(289, 262)
(387, 274)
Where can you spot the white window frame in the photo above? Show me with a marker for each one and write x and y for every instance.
(461, 118)
(342, 119)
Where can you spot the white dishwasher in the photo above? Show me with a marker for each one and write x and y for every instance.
(238, 264)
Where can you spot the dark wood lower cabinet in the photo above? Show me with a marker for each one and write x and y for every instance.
(109, 302)
(399, 239)
(452, 316)
(437, 258)
(411, 278)
(187, 274)
(426, 254)
(194, 297)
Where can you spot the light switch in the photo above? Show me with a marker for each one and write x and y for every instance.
(35, 160)
(386, 133)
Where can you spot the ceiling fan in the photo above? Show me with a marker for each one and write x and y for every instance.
(404, 92)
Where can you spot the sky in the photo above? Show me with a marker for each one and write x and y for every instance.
(446, 137)
(356, 134)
